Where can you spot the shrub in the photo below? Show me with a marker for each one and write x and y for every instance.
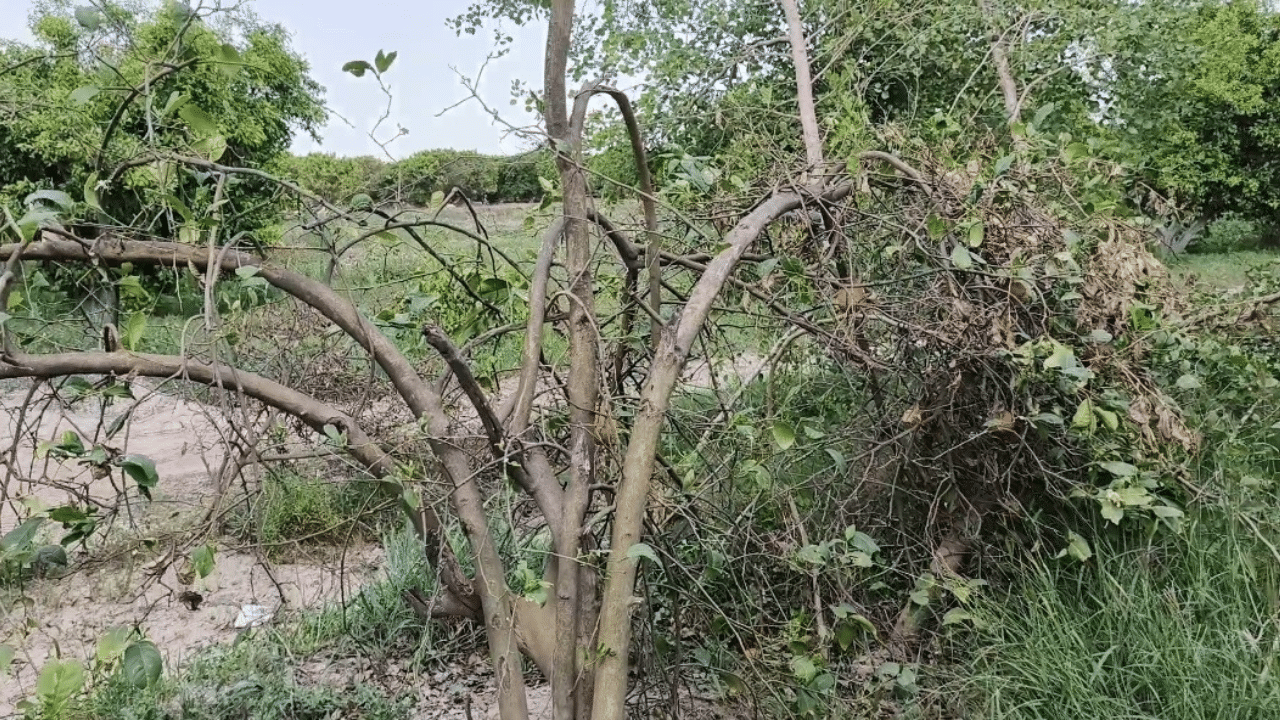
(1229, 233)
(333, 178)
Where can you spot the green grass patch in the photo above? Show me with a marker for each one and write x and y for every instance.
(1183, 629)
(295, 510)
(1220, 271)
(253, 678)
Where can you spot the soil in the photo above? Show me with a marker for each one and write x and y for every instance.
(131, 579)
(126, 583)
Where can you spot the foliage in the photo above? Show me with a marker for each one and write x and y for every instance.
(482, 178)
(1230, 233)
(899, 361)
(111, 88)
(294, 511)
(336, 179)
(1182, 94)
(1201, 125)
(249, 679)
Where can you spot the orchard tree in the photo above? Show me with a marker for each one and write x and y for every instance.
(581, 637)
(1004, 327)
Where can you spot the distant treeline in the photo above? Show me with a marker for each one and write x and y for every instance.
(413, 180)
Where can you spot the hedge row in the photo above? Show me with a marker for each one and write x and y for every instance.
(413, 181)
(483, 178)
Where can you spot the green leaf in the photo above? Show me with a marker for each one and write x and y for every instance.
(50, 555)
(837, 458)
(1111, 512)
(175, 101)
(55, 197)
(113, 643)
(955, 616)
(1048, 419)
(1042, 114)
(357, 67)
(784, 435)
(1189, 382)
(335, 436)
(1109, 419)
(7, 654)
(1075, 151)
(83, 94)
(961, 258)
(1062, 357)
(135, 327)
(803, 668)
(88, 17)
(1119, 469)
(1133, 497)
(59, 681)
(176, 204)
(210, 148)
(1084, 418)
(21, 536)
(143, 471)
(812, 555)
(246, 272)
(91, 192)
(202, 559)
(383, 62)
(976, 232)
(936, 226)
(141, 664)
(1077, 548)
(642, 550)
(202, 124)
(227, 53)
(1003, 165)
(861, 541)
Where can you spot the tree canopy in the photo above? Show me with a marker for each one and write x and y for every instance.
(109, 91)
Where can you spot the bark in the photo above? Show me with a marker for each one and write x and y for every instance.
(1004, 73)
(633, 489)
(653, 240)
(584, 362)
(804, 86)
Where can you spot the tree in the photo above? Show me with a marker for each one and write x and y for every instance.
(113, 86)
(991, 280)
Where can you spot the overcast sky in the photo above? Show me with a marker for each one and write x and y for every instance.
(331, 32)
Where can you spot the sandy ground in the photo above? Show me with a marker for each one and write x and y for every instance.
(128, 584)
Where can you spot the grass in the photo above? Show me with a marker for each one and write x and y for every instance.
(1220, 271)
(1180, 629)
(253, 679)
(258, 675)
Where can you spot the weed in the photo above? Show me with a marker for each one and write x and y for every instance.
(253, 679)
(1182, 629)
(295, 509)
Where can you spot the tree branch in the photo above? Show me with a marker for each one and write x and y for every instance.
(804, 86)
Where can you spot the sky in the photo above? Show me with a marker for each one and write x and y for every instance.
(328, 33)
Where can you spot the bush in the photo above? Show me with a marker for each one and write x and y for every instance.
(520, 177)
(1229, 233)
(333, 178)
